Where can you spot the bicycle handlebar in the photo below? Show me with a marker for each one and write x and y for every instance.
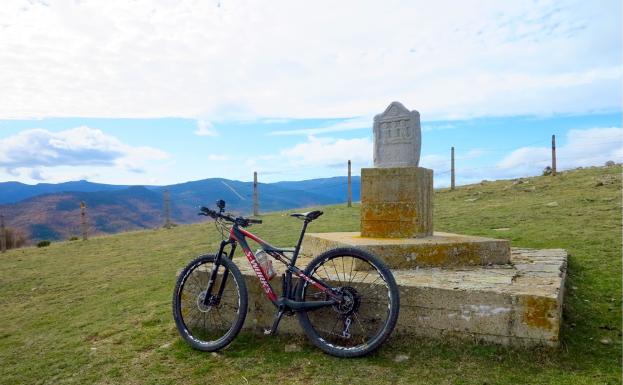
(240, 221)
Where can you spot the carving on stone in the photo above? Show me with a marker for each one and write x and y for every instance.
(397, 137)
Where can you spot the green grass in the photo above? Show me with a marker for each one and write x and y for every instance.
(98, 312)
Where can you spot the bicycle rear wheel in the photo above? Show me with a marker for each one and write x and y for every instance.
(209, 327)
(370, 309)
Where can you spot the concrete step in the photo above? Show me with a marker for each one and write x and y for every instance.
(439, 250)
(515, 304)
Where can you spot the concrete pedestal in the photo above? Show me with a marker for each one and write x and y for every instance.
(437, 250)
(396, 202)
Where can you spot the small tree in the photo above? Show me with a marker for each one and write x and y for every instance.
(14, 238)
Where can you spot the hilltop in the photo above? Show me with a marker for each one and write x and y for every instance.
(99, 311)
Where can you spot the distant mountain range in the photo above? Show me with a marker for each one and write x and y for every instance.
(51, 211)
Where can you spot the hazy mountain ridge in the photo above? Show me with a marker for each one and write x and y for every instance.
(48, 211)
(13, 192)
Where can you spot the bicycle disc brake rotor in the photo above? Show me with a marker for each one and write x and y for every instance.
(350, 303)
(200, 303)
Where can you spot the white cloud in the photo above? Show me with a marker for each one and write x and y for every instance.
(474, 153)
(35, 174)
(276, 120)
(204, 128)
(31, 150)
(434, 126)
(588, 147)
(526, 159)
(328, 152)
(135, 159)
(218, 157)
(233, 59)
(316, 158)
(358, 123)
(439, 163)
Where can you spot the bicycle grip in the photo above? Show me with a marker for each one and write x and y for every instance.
(256, 221)
(207, 212)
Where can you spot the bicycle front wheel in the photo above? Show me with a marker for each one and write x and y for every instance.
(369, 312)
(212, 326)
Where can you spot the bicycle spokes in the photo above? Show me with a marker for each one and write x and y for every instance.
(364, 309)
(207, 320)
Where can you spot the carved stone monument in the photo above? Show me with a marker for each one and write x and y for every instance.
(397, 206)
(397, 195)
(397, 137)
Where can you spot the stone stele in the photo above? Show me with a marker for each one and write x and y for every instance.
(397, 137)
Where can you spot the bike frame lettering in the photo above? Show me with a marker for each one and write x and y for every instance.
(239, 235)
(268, 290)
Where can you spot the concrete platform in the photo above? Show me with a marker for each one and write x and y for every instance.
(518, 304)
(438, 250)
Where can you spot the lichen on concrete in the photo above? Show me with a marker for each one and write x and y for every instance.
(440, 249)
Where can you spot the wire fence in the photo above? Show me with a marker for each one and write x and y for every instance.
(563, 161)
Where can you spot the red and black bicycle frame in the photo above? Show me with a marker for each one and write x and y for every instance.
(238, 235)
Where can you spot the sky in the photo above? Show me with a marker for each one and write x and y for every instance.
(162, 92)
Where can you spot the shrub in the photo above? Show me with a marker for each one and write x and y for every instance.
(43, 244)
(547, 171)
(610, 163)
(74, 238)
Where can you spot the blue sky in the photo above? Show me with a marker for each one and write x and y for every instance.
(486, 148)
(159, 92)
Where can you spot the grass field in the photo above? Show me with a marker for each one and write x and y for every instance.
(99, 312)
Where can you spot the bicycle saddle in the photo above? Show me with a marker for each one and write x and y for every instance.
(308, 216)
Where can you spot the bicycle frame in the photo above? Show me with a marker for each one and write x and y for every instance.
(238, 235)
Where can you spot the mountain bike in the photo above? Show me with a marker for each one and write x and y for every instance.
(346, 299)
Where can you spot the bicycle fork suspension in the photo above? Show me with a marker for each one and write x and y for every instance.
(215, 299)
